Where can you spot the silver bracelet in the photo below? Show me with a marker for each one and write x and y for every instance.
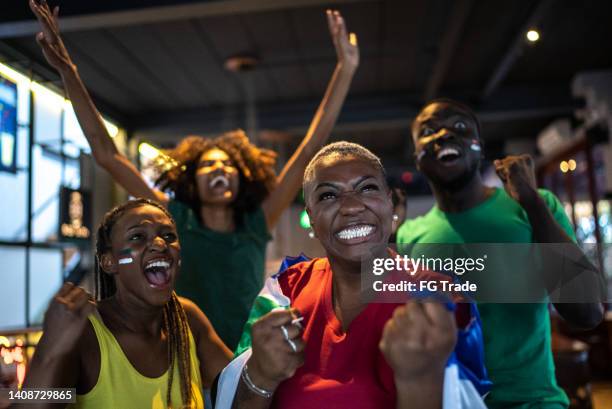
(252, 387)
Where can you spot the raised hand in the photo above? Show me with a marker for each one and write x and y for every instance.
(274, 359)
(66, 318)
(418, 340)
(518, 175)
(49, 38)
(290, 178)
(346, 46)
(102, 146)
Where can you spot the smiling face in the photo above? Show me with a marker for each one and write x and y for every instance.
(447, 145)
(349, 206)
(144, 255)
(217, 178)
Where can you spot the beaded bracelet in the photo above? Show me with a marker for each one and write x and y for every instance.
(252, 387)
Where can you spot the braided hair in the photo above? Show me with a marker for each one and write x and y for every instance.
(176, 324)
(255, 166)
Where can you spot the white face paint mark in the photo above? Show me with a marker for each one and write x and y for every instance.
(126, 260)
(475, 147)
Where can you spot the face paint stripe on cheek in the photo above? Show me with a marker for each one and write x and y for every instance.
(475, 146)
(127, 259)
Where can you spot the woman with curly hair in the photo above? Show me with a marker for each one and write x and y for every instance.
(225, 195)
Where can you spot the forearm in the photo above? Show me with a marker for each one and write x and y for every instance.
(324, 119)
(290, 179)
(49, 368)
(91, 122)
(329, 109)
(544, 226)
(214, 356)
(102, 146)
(423, 393)
(582, 315)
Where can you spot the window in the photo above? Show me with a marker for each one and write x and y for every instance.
(53, 145)
(45, 280)
(12, 287)
(14, 228)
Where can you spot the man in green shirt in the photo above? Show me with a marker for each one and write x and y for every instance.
(517, 337)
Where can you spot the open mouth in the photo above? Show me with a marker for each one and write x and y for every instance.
(219, 181)
(356, 233)
(157, 273)
(448, 154)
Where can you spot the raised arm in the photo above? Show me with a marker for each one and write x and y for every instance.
(290, 179)
(102, 146)
(518, 176)
(56, 361)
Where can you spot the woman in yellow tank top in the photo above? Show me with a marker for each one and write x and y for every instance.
(139, 345)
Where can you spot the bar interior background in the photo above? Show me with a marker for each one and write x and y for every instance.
(157, 71)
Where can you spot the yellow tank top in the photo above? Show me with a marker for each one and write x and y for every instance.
(121, 386)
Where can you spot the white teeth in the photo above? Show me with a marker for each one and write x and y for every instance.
(163, 264)
(447, 151)
(219, 178)
(354, 232)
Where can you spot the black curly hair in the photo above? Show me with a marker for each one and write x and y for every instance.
(255, 166)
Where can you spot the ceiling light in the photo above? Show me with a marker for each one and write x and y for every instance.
(533, 36)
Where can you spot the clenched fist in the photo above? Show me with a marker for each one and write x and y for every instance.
(418, 340)
(518, 175)
(273, 359)
(66, 317)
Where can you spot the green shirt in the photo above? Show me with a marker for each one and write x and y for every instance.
(518, 354)
(221, 272)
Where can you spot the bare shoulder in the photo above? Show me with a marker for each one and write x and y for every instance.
(88, 351)
(188, 305)
(198, 322)
(190, 308)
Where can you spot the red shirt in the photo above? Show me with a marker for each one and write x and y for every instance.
(341, 369)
